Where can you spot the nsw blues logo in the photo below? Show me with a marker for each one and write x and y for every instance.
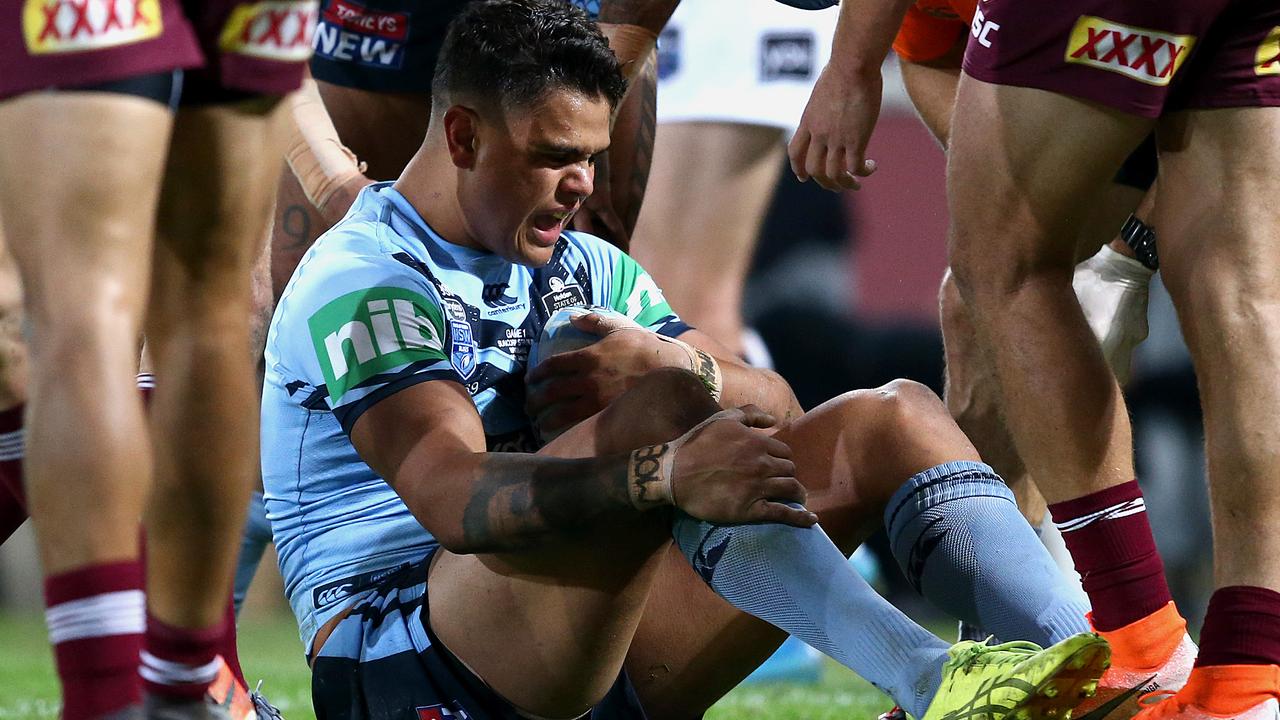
(462, 343)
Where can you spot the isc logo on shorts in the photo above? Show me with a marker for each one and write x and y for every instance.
(1146, 55)
(62, 26)
(1268, 62)
(272, 29)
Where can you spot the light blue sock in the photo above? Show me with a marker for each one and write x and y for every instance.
(253, 542)
(797, 580)
(956, 532)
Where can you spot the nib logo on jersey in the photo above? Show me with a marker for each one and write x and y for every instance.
(271, 29)
(350, 32)
(63, 26)
(1146, 55)
(367, 332)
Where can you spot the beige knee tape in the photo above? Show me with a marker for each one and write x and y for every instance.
(316, 156)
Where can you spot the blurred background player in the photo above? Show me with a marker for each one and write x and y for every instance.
(120, 218)
(730, 94)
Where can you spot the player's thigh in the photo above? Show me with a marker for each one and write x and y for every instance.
(1021, 169)
(932, 89)
(709, 187)
(79, 178)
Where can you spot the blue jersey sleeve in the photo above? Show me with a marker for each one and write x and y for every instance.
(359, 328)
(621, 284)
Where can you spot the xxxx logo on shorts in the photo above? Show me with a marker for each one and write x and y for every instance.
(1268, 60)
(367, 332)
(62, 26)
(271, 29)
(1146, 55)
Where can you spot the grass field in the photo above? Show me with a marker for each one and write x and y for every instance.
(270, 651)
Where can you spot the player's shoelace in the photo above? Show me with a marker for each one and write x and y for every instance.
(264, 709)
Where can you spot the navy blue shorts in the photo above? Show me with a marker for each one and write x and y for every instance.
(382, 662)
(386, 45)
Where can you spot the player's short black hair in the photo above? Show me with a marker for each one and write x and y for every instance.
(513, 52)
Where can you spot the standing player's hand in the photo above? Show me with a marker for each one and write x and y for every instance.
(566, 389)
(830, 144)
(727, 471)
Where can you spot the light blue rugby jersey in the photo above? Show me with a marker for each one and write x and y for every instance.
(378, 304)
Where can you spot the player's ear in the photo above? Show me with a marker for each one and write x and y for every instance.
(460, 131)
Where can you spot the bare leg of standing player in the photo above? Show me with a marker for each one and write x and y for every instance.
(699, 251)
(214, 213)
(13, 396)
(81, 175)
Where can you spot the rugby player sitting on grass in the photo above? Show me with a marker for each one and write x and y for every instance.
(399, 455)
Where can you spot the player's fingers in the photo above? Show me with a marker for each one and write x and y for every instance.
(753, 416)
(563, 364)
(597, 324)
(797, 151)
(559, 389)
(785, 489)
(815, 161)
(835, 170)
(865, 168)
(767, 511)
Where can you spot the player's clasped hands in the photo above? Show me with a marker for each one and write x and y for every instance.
(727, 471)
(566, 389)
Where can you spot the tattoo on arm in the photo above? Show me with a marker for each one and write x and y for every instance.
(630, 195)
(296, 223)
(516, 500)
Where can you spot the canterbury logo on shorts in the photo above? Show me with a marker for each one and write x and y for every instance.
(1268, 62)
(271, 29)
(1145, 55)
(65, 26)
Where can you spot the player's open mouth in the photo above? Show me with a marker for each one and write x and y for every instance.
(548, 226)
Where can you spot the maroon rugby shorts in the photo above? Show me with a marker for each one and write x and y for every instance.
(1144, 58)
(250, 47)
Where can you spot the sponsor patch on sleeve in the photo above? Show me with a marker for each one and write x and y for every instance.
(271, 29)
(67, 26)
(1149, 56)
(367, 332)
(1268, 60)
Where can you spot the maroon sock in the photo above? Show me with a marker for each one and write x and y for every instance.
(1242, 627)
(1110, 540)
(12, 514)
(12, 449)
(180, 663)
(95, 616)
(227, 648)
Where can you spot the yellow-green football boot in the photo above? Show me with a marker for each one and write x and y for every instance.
(1018, 680)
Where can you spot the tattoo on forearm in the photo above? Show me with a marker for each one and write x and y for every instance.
(511, 504)
(649, 476)
(296, 223)
(632, 196)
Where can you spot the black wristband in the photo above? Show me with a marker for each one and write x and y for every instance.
(1141, 238)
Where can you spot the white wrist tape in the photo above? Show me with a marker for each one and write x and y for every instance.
(316, 156)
